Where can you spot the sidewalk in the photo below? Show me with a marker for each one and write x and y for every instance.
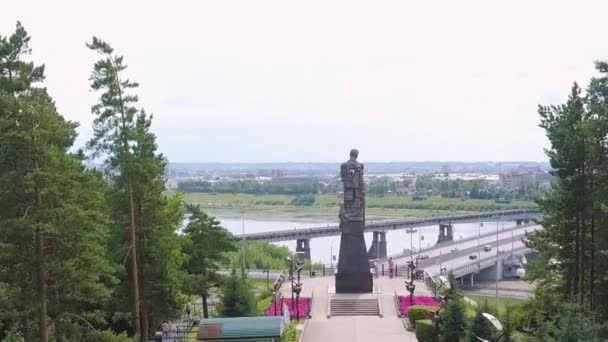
(389, 328)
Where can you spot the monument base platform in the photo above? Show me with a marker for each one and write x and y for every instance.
(356, 282)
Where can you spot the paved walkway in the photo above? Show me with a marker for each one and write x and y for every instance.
(389, 328)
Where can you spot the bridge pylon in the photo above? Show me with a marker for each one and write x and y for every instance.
(446, 233)
(378, 248)
(303, 248)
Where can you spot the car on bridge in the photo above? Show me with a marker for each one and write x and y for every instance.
(487, 248)
(423, 257)
(472, 256)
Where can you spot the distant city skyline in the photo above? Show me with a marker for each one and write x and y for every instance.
(272, 81)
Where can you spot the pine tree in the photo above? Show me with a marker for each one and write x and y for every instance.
(236, 299)
(136, 171)
(113, 131)
(572, 242)
(480, 327)
(453, 323)
(52, 222)
(206, 248)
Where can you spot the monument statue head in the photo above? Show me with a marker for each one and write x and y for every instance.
(354, 153)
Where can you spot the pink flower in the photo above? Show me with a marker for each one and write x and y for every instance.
(405, 302)
(303, 308)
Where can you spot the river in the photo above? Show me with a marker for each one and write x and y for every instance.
(321, 249)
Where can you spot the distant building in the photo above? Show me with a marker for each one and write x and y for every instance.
(513, 180)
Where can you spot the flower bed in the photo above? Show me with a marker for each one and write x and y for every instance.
(303, 309)
(404, 302)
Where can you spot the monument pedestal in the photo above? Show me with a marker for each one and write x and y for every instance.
(353, 274)
(359, 282)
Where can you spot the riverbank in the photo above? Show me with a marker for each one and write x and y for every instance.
(326, 207)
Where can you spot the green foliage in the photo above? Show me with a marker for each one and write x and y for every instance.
(576, 325)
(53, 225)
(507, 334)
(262, 304)
(418, 312)
(260, 255)
(110, 336)
(236, 299)
(480, 327)
(253, 186)
(453, 322)
(571, 246)
(426, 331)
(144, 219)
(205, 246)
(291, 333)
(303, 200)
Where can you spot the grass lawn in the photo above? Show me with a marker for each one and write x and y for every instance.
(502, 302)
(326, 206)
(260, 284)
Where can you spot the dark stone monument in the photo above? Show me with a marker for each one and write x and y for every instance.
(353, 274)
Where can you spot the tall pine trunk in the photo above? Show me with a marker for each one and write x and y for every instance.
(142, 280)
(205, 305)
(576, 262)
(42, 290)
(583, 201)
(134, 267)
(44, 334)
(592, 271)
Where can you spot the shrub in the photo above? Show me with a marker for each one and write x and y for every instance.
(110, 336)
(426, 331)
(418, 312)
(303, 200)
(262, 305)
(290, 333)
(236, 298)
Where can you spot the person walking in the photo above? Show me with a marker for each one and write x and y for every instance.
(375, 268)
(188, 311)
(165, 328)
(390, 267)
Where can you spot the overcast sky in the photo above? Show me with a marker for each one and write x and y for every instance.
(307, 80)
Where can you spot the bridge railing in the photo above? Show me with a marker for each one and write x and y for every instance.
(466, 239)
(485, 263)
(395, 224)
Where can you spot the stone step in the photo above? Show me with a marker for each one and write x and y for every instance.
(354, 307)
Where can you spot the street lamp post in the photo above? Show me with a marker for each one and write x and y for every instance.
(440, 264)
(479, 247)
(291, 261)
(411, 245)
(331, 254)
(243, 235)
(497, 258)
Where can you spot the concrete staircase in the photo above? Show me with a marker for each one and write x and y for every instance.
(354, 307)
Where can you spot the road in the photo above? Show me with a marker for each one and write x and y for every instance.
(468, 245)
(458, 262)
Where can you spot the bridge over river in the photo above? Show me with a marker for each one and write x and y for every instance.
(520, 215)
(378, 249)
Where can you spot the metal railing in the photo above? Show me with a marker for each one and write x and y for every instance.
(330, 230)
